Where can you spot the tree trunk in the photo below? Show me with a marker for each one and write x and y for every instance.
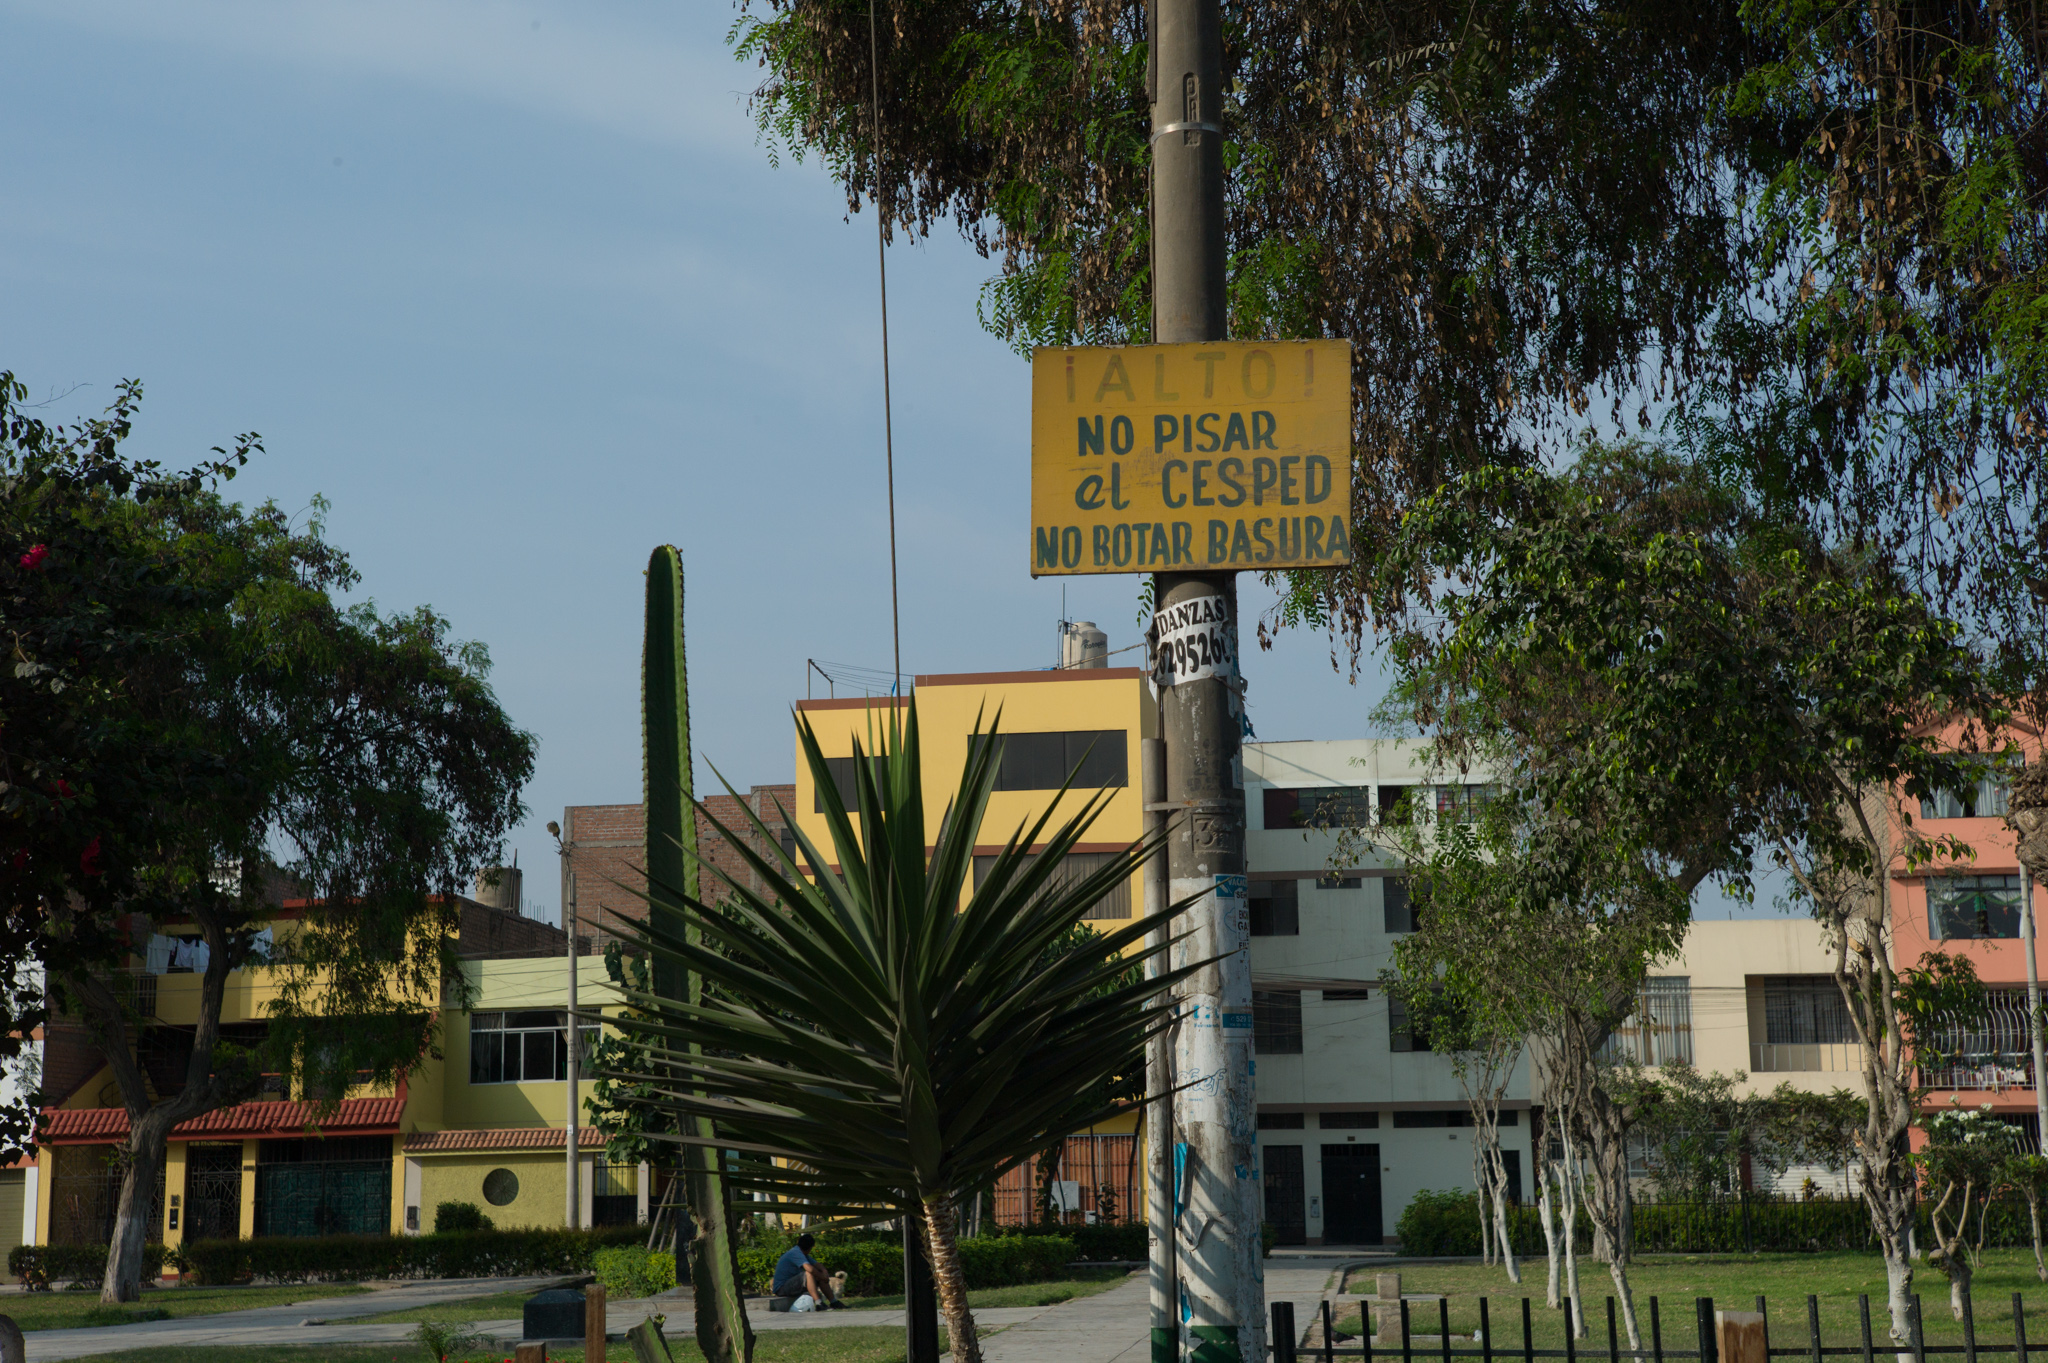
(1618, 1271)
(723, 1332)
(944, 1252)
(1569, 1200)
(1500, 1218)
(1546, 1210)
(147, 1135)
(2034, 1215)
(1898, 1288)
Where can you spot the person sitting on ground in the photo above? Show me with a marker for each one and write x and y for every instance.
(798, 1274)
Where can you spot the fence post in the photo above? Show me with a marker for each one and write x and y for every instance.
(1407, 1341)
(1919, 1335)
(2019, 1330)
(1283, 1332)
(531, 1353)
(1740, 1337)
(1813, 1325)
(593, 1323)
(1330, 1332)
(1863, 1309)
(1703, 1322)
(1969, 1329)
(1613, 1340)
(1486, 1333)
(1443, 1326)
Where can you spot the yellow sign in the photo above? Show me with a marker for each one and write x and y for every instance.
(1220, 454)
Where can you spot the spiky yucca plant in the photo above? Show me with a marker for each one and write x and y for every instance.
(869, 1041)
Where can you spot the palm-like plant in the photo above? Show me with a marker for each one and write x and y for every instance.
(868, 1043)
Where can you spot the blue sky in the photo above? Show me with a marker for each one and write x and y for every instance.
(517, 288)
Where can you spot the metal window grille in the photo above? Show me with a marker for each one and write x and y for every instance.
(1098, 1178)
(1993, 1055)
(1115, 904)
(1659, 1030)
(523, 1047)
(1806, 1010)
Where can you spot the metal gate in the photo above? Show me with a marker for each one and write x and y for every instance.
(213, 1192)
(85, 1196)
(324, 1187)
(1286, 1193)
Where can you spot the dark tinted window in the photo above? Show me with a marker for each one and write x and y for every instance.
(1282, 1121)
(1400, 909)
(842, 779)
(1455, 1116)
(1389, 797)
(1350, 1121)
(1096, 759)
(1973, 906)
(1275, 908)
(1805, 1010)
(1359, 995)
(1276, 1021)
(1318, 807)
(1115, 904)
(1402, 1034)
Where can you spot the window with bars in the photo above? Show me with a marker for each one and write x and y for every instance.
(1659, 1030)
(1115, 904)
(1806, 1010)
(1276, 1021)
(1400, 907)
(1319, 807)
(522, 1047)
(1973, 906)
(1991, 1054)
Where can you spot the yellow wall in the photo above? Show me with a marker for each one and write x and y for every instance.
(1023, 702)
(543, 1186)
(509, 985)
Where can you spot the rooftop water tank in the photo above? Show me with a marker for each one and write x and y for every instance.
(1083, 645)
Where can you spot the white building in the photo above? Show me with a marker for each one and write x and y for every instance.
(1353, 1119)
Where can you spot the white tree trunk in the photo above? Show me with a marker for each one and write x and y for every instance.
(1568, 1199)
(1546, 1210)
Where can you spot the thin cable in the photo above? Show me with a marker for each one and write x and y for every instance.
(882, 271)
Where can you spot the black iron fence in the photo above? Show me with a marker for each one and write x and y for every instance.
(1287, 1347)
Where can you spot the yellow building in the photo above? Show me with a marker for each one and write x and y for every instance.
(1052, 722)
(484, 1121)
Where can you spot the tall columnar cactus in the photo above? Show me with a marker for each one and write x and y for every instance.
(722, 1329)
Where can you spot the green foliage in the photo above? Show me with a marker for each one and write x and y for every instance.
(460, 1216)
(357, 1258)
(874, 1268)
(1699, 1132)
(77, 1263)
(1439, 1224)
(854, 1011)
(440, 1338)
(634, 1270)
(1940, 998)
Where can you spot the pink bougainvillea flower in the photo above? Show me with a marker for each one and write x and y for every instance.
(36, 557)
(20, 859)
(63, 789)
(89, 859)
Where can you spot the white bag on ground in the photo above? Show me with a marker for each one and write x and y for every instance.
(803, 1303)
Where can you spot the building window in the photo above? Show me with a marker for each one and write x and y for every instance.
(1659, 1030)
(1973, 906)
(1402, 1033)
(1460, 804)
(1282, 1121)
(1805, 1010)
(1349, 1121)
(1400, 907)
(1439, 1117)
(1346, 995)
(1276, 1021)
(842, 770)
(1988, 799)
(1390, 809)
(1275, 908)
(1336, 880)
(528, 1047)
(1993, 1054)
(1319, 807)
(1115, 904)
(1094, 758)
(501, 1187)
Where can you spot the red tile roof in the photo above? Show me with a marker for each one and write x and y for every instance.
(500, 1138)
(354, 1117)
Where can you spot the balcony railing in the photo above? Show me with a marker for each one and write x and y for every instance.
(1836, 1058)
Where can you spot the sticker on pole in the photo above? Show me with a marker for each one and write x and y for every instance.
(1193, 640)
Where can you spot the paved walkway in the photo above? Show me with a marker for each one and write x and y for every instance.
(1109, 1327)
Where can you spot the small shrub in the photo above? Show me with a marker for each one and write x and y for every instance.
(80, 1266)
(441, 1338)
(1440, 1224)
(634, 1271)
(459, 1216)
(352, 1258)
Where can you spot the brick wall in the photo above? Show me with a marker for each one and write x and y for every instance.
(608, 851)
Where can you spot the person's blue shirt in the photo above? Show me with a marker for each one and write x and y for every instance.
(789, 1272)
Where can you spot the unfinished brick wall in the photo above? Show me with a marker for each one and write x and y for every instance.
(608, 852)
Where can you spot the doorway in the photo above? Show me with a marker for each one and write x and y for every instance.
(1286, 1193)
(1351, 1195)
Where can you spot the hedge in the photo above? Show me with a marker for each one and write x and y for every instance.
(349, 1258)
(1446, 1223)
(1098, 1244)
(634, 1270)
(874, 1268)
(76, 1263)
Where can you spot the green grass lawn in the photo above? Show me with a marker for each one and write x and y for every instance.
(1024, 1294)
(847, 1344)
(69, 1310)
(1733, 1281)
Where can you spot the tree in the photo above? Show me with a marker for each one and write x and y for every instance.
(874, 1042)
(209, 708)
(1706, 684)
(1965, 1156)
(2026, 1173)
(1816, 261)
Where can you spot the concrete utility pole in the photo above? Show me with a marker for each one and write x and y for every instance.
(1215, 1184)
(1158, 1078)
(2034, 1043)
(572, 1216)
